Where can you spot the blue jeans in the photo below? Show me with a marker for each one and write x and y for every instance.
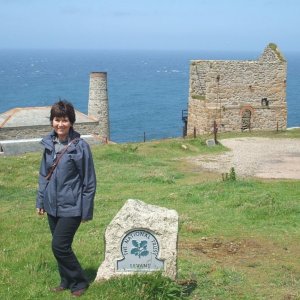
(63, 231)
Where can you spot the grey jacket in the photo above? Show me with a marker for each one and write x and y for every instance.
(71, 189)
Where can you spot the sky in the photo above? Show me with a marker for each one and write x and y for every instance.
(240, 25)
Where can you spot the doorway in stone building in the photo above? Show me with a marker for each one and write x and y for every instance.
(246, 119)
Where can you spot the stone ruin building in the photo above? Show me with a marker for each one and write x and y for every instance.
(21, 129)
(238, 95)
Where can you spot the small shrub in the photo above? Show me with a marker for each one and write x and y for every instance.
(229, 177)
(232, 174)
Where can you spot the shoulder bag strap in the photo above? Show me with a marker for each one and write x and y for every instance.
(58, 159)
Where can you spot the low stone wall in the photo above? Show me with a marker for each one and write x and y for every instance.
(28, 132)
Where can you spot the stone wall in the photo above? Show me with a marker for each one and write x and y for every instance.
(226, 91)
(28, 132)
(98, 108)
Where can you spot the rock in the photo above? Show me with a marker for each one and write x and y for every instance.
(210, 143)
(140, 238)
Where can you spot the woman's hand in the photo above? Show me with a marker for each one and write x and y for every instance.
(40, 211)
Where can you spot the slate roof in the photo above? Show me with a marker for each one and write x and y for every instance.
(33, 116)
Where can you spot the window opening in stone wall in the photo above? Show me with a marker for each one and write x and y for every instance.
(246, 119)
(265, 102)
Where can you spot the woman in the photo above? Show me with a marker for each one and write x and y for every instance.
(67, 185)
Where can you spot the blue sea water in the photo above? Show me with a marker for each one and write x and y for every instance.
(147, 89)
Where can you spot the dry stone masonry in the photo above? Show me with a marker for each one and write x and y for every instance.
(140, 238)
(98, 102)
(238, 95)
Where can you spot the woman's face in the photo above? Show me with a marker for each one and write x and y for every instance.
(61, 126)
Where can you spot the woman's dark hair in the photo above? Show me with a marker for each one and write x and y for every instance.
(63, 109)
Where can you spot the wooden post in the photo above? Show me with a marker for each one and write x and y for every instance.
(195, 133)
(215, 131)
(144, 136)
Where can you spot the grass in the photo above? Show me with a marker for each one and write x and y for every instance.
(237, 239)
(294, 133)
(198, 97)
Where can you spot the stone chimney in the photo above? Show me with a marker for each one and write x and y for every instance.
(98, 102)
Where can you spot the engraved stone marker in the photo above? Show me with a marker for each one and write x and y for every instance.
(210, 143)
(140, 238)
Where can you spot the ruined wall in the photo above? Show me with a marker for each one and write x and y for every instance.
(233, 92)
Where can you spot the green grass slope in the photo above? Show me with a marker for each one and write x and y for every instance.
(238, 239)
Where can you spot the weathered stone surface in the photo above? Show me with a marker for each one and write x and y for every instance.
(36, 131)
(231, 87)
(98, 102)
(210, 143)
(140, 238)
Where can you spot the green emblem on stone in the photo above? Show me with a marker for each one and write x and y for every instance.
(140, 248)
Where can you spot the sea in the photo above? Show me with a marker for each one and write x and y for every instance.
(147, 90)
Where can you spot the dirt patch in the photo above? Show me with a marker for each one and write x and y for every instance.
(243, 252)
(255, 157)
(219, 249)
(262, 261)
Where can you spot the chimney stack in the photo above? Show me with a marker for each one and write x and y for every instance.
(98, 102)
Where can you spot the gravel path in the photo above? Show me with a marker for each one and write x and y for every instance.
(256, 157)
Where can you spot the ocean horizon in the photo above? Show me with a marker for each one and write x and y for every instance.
(147, 90)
